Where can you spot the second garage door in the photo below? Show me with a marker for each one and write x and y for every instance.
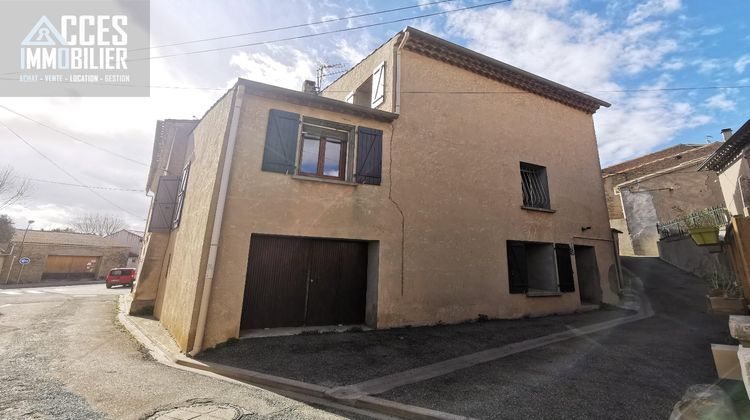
(293, 282)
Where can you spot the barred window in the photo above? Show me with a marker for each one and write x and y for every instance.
(534, 186)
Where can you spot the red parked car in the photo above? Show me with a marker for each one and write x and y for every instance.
(120, 276)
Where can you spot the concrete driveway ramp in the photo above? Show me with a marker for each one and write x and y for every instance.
(704, 402)
(200, 410)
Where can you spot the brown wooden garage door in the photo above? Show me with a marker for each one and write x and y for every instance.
(70, 267)
(293, 282)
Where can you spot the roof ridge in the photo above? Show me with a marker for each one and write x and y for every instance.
(672, 156)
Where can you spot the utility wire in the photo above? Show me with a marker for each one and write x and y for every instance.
(301, 25)
(65, 171)
(448, 92)
(47, 181)
(354, 28)
(57, 130)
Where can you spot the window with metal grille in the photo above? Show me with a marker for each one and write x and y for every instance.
(534, 186)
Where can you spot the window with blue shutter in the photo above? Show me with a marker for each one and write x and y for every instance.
(164, 204)
(281, 142)
(369, 156)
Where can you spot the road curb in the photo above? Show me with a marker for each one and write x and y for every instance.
(282, 385)
(49, 284)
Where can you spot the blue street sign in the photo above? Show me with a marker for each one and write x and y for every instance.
(24, 260)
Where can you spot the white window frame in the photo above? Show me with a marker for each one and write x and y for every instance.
(378, 85)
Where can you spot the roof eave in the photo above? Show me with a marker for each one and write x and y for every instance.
(521, 79)
(315, 101)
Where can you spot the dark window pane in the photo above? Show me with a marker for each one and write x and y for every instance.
(332, 161)
(310, 150)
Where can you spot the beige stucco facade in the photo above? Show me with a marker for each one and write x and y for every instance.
(732, 180)
(449, 199)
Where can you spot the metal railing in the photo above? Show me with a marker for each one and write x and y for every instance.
(713, 216)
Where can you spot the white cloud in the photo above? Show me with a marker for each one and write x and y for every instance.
(295, 68)
(721, 102)
(653, 8)
(673, 65)
(742, 63)
(713, 30)
(707, 65)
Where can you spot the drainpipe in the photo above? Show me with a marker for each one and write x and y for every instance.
(397, 108)
(200, 330)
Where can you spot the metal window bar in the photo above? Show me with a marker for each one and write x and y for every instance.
(712, 216)
(534, 188)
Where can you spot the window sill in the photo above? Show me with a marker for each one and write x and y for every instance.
(543, 210)
(542, 293)
(325, 180)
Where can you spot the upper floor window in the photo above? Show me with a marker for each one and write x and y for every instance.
(371, 92)
(326, 149)
(534, 186)
(324, 152)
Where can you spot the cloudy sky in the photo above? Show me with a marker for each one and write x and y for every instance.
(601, 47)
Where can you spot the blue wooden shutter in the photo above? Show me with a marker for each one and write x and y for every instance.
(564, 268)
(164, 204)
(369, 156)
(281, 142)
(518, 279)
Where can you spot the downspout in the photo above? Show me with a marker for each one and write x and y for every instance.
(200, 330)
(397, 108)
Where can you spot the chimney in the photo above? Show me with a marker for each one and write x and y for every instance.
(726, 133)
(308, 86)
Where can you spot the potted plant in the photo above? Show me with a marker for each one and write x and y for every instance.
(703, 227)
(725, 295)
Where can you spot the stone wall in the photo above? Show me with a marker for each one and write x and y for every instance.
(109, 257)
(702, 261)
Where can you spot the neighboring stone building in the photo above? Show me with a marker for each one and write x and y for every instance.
(133, 240)
(370, 203)
(61, 256)
(658, 187)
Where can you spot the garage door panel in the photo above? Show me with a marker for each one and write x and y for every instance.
(299, 281)
(325, 272)
(70, 267)
(353, 284)
(275, 283)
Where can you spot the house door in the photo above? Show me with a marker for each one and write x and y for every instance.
(293, 282)
(588, 274)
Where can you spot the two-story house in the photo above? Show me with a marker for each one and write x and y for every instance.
(428, 184)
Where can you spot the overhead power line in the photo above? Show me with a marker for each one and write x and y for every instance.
(65, 171)
(354, 28)
(78, 139)
(300, 25)
(47, 181)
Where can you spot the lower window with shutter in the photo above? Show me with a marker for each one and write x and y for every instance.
(539, 269)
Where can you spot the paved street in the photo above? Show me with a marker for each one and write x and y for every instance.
(635, 371)
(65, 357)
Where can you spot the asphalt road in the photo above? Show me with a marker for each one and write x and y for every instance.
(635, 371)
(63, 356)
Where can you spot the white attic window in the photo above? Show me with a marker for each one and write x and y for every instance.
(378, 85)
(350, 98)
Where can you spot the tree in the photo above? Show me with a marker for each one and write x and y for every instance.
(6, 229)
(98, 224)
(12, 188)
